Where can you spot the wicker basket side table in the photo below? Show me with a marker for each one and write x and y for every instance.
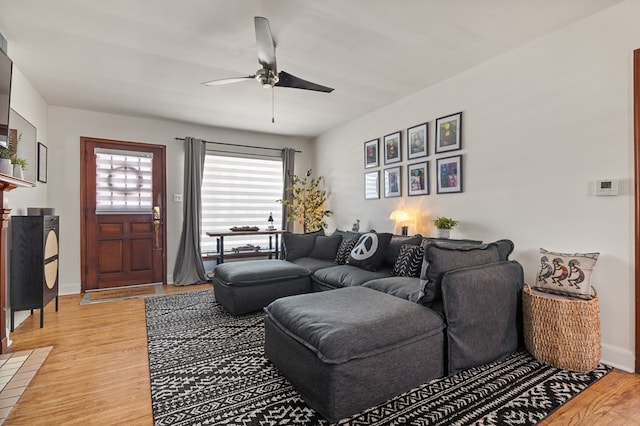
(561, 331)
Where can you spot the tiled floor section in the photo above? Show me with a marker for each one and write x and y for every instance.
(16, 371)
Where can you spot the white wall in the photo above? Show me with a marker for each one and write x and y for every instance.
(66, 126)
(540, 125)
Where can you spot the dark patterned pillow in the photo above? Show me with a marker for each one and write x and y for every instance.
(409, 261)
(343, 251)
(369, 251)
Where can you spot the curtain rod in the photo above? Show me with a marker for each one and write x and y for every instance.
(234, 144)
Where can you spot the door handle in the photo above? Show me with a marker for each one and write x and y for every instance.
(156, 225)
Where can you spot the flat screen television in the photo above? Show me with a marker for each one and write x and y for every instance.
(6, 68)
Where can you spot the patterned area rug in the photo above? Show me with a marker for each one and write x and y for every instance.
(208, 367)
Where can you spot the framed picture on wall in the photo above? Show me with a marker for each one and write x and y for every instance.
(449, 174)
(418, 179)
(392, 182)
(42, 163)
(418, 141)
(372, 185)
(392, 148)
(371, 154)
(449, 133)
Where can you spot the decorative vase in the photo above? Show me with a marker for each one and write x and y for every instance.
(18, 172)
(5, 166)
(443, 233)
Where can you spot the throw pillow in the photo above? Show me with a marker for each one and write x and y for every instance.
(409, 261)
(343, 251)
(441, 258)
(326, 247)
(396, 242)
(369, 251)
(566, 274)
(296, 246)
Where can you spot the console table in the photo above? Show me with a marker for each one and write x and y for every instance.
(7, 183)
(272, 250)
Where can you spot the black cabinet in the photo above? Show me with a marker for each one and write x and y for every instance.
(34, 263)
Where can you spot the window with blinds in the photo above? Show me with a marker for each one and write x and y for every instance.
(240, 191)
(123, 181)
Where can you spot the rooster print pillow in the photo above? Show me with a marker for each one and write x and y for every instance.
(566, 273)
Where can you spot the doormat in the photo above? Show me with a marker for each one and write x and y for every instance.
(103, 296)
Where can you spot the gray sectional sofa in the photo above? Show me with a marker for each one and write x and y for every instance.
(401, 310)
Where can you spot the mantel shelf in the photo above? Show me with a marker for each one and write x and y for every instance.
(7, 183)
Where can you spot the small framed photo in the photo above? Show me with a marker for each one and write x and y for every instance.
(42, 163)
(392, 183)
(392, 147)
(371, 154)
(372, 185)
(418, 141)
(449, 174)
(449, 133)
(418, 178)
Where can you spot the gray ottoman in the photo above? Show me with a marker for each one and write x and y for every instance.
(349, 349)
(243, 287)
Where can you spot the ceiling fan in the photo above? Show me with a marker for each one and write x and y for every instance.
(268, 75)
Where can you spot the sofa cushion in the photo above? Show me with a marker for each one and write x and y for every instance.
(409, 261)
(343, 251)
(347, 275)
(396, 243)
(296, 246)
(347, 235)
(313, 264)
(326, 247)
(441, 258)
(407, 288)
(505, 247)
(251, 272)
(566, 274)
(352, 323)
(369, 251)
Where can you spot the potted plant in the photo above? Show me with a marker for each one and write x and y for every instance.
(307, 205)
(19, 165)
(5, 160)
(444, 226)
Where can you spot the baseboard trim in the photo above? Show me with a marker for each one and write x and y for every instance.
(617, 357)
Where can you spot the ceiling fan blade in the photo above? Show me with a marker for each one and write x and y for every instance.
(288, 80)
(265, 44)
(228, 80)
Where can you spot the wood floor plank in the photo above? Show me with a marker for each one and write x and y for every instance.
(98, 371)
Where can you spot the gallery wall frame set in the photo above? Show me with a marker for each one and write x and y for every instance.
(448, 138)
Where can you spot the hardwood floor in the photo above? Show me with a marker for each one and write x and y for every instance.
(98, 371)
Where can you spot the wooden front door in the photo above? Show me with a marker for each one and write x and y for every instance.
(123, 213)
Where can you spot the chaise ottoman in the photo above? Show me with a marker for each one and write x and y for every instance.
(246, 286)
(352, 348)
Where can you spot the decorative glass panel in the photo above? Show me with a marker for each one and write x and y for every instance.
(123, 181)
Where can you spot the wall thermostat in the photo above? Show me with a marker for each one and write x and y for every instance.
(607, 187)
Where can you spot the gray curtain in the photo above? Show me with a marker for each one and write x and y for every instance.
(189, 268)
(288, 160)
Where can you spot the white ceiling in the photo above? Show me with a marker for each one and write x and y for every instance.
(147, 58)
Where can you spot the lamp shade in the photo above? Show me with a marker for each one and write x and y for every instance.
(400, 216)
